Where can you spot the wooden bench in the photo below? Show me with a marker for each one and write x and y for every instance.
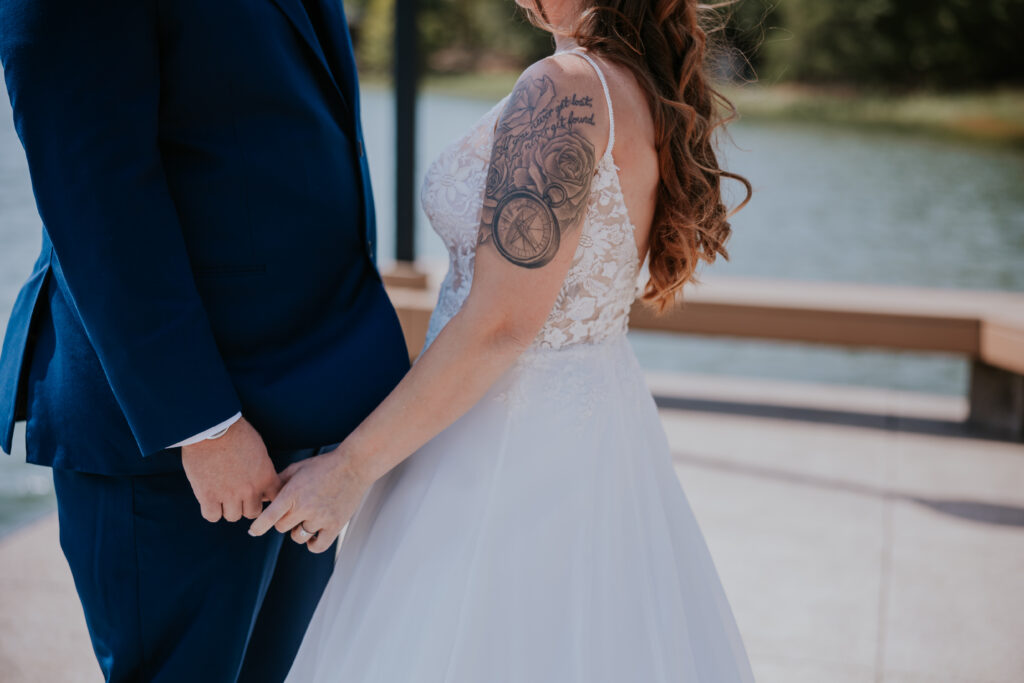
(985, 326)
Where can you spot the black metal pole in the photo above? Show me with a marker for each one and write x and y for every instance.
(406, 77)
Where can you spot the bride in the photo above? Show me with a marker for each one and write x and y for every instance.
(513, 512)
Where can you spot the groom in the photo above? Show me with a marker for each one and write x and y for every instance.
(204, 311)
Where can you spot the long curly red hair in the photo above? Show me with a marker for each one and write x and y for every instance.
(665, 46)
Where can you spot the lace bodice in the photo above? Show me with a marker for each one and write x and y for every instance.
(601, 284)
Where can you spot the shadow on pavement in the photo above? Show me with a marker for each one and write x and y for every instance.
(975, 511)
(893, 423)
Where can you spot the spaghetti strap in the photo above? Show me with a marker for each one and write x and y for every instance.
(607, 96)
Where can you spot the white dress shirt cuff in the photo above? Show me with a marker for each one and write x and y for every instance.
(211, 433)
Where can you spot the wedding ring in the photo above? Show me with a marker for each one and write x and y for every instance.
(304, 530)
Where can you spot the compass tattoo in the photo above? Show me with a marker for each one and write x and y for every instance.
(540, 173)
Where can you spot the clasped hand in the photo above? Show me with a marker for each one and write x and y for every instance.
(319, 496)
(233, 476)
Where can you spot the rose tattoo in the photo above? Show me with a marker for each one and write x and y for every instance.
(540, 173)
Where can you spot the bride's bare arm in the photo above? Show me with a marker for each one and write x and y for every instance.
(547, 143)
(538, 184)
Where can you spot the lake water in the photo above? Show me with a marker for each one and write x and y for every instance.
(831, 203)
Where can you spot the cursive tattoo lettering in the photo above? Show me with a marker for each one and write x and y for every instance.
(541, 168)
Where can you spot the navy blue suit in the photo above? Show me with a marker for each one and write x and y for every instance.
(208, 248)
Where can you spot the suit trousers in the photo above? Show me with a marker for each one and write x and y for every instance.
(169, 597)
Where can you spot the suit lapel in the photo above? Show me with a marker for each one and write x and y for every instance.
(296, 14)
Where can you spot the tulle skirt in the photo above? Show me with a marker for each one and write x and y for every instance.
(543, 537)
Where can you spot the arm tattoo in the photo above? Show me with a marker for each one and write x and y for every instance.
(540, 174)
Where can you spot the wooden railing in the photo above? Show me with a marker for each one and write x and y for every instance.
(987, 327)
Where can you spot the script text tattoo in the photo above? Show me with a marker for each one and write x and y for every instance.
(541, 169)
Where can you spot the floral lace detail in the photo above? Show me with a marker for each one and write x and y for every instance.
(599, 289)
(513, 395)
(570, 376)
(601, 284)
(452, 198)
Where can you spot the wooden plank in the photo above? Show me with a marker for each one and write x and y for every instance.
(405, 274)
(986, 325)
(853, 297)
(1002, 343)
(414, 307)
(835, 327)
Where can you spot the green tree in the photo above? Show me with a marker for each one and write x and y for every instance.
(454, 35)
(905, 43)
(372, 24)
(882, 43)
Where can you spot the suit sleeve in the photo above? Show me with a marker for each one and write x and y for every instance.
(84, 82)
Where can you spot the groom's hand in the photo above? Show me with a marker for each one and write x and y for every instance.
(232, 475)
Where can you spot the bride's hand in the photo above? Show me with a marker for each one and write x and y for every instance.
(319, 495)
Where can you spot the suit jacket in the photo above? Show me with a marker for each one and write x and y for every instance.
(208, 230)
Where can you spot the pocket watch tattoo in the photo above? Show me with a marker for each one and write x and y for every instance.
(541, 168)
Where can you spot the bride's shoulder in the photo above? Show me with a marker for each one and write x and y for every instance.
(560, 93)
(570, 70)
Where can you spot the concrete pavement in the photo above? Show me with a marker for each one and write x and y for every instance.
(861, 538)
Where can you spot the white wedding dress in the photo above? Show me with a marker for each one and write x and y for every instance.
(544, 537)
